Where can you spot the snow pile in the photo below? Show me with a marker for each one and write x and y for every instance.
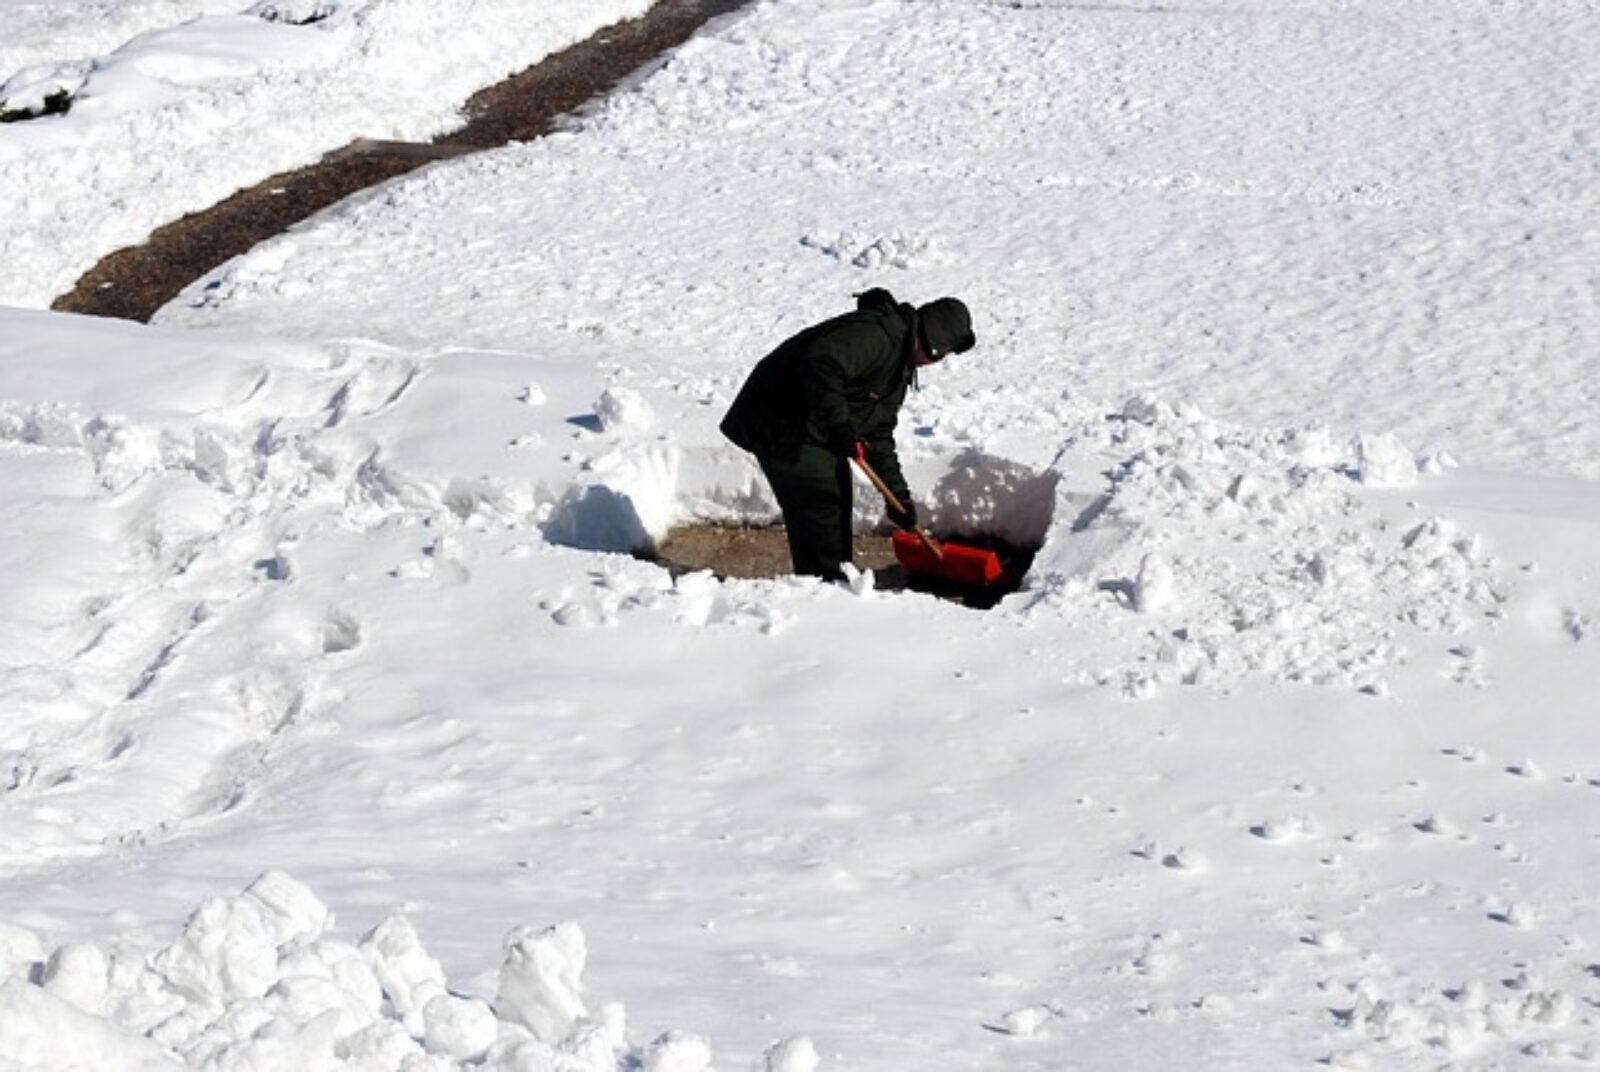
(1223, 554)
(140, 143)
(1461, 1021)
(260, 980)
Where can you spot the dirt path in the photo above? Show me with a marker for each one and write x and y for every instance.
(734, 551)
(737, 551)
(133, 283)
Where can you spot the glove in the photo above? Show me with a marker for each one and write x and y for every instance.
(844, 444)
(905, 518)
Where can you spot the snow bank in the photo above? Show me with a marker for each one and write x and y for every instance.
(141, 146)
(260, 980)
(1201, 551)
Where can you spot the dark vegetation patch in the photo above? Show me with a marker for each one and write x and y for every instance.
(292, 15)
(57, 103)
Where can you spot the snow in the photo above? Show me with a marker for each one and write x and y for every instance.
(1408, 219)
(176, 105)
(257, 981)
(39, 32)
(540, 985)
(323, 631)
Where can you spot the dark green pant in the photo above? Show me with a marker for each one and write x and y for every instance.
(816, 517)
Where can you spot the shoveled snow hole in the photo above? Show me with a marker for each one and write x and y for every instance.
(751, 552)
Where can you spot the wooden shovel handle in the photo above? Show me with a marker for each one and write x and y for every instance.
(889, 497)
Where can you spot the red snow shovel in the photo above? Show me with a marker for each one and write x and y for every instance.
(920, 553)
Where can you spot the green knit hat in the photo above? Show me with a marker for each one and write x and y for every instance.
(946, 327)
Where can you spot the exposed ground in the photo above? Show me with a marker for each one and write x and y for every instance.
(733, 551)
(740, 551)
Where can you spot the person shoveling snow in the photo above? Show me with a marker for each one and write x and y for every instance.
(831, 395)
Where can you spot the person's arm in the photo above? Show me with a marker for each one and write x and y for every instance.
(885, 461)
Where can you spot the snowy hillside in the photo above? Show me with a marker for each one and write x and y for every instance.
(203, 98)
(323, 631)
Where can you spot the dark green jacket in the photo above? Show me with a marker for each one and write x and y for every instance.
(849, 372)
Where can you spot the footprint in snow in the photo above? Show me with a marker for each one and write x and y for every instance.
(437, 564)
(1185, 860)
(1576, 625)
(1512, 854)
(1467, 667)
(1181, 860)
(269, 701)
(273, 568)
(340, 633)
(1439, 826)
(1022, 1023)
(1282, 831)
(1328, 941)
(1517, 914)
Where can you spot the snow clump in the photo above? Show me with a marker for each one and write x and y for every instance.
(620, 409)
(258, 981)
(541, 983)
(1383, 461)
(1458, 1021)
(791, 1055)
(861, 248)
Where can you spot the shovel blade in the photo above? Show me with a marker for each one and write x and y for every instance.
(963, 565)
